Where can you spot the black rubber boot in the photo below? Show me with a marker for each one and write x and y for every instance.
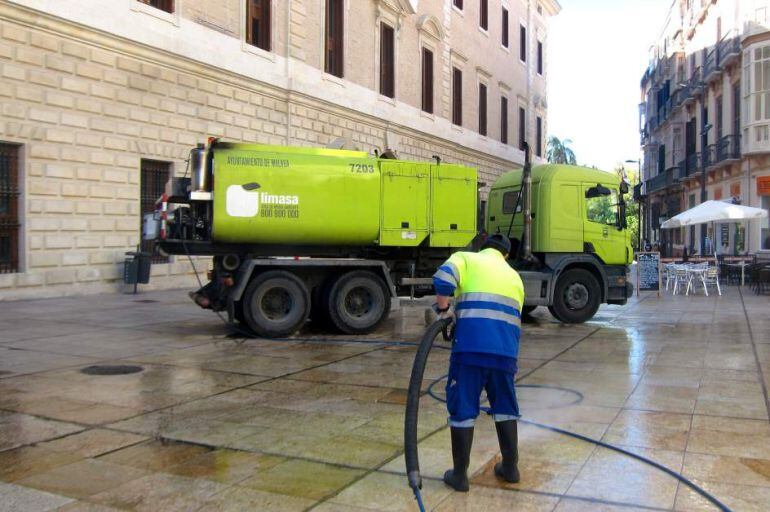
(462, 440)
(508, 437)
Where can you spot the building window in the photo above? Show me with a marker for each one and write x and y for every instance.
(457, 97)
(503, 119)
(163, 5)
(458, 4)
(154, 175)
(539, 57)
(387, 61)
(539, 143)
(522, 43)
(522, 127)
(9, 208)
(334, 37)
(719, 116)
(484, 14)
(258, 23)
(482, 109)
(505, 28)
(427, 80)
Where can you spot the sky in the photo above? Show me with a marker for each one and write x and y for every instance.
(597, 53)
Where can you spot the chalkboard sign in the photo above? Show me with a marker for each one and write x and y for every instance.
(648, 272)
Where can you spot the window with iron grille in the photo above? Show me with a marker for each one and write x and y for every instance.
(258, 23)
(457, 97)
(154, 175)
(163, 5)
(482, 109)
(9, 208)
(334, 37)
(484, 14)
(505, 27)
(387, 61)
(427, 80)
(503, 119)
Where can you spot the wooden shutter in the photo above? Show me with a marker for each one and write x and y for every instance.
(482, 109)
(539, 57)
(258, 23)
(427, 80)
(503, 119)
(505, 27)
(484, 14)
(522, 127)
(387, 61)
(154, 175)
(335, 37)
(522, 43)
(9, 208)
(539, 143)
(457, 97)
(163, 5)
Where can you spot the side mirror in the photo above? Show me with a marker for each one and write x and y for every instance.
(597, 191)
(624, 187)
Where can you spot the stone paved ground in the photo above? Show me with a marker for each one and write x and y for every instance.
(316, 422)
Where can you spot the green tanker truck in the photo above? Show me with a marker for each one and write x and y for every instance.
(334, 235)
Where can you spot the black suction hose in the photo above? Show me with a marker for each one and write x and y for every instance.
(413, 406)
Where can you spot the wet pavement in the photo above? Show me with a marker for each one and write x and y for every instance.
(316, 422)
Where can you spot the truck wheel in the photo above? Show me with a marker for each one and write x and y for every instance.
(358, 302)
(276, 304)
(576, 297)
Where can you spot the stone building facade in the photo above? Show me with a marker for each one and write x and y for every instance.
(710, 68)
(101, 100)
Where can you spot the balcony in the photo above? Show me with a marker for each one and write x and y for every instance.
(692, 164)
(693, 89)
(711, 155)
(656, 183)
(681, 170)
(728, 51)
(728, 149)
(711, 70)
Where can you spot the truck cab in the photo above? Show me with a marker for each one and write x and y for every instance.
(580, 243)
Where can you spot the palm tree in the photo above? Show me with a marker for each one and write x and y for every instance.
(559, 151)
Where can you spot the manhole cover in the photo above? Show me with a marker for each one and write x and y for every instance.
(146, 301)
(121, 369)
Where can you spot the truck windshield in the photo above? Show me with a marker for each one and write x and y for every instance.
(604, 209)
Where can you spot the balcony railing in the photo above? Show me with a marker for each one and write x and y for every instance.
(656, 183)
(728, 148)
(711, 70)
(728, 50)
(711, 155)
(692, 164)
(681, 170)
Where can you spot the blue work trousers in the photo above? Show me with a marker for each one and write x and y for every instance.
(463, 394)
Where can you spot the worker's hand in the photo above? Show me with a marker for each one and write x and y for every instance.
(444, 315)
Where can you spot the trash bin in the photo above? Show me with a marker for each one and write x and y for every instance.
(136, 268)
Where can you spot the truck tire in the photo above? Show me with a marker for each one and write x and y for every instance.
(276, 304)
(358, 302)
(577, 296)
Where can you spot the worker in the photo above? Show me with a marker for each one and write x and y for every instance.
(489, 295)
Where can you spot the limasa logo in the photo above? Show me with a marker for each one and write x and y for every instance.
(245, 201)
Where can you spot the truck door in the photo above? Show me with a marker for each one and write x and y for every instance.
(600, 226)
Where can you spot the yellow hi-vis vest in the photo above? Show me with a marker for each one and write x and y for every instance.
(489, 295)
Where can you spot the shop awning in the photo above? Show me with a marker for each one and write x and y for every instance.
(714, 211)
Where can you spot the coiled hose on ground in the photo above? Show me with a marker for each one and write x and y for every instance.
(413, 409)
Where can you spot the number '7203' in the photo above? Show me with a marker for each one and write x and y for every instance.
(362, 168)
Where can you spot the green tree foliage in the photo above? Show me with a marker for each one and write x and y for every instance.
(559, 151)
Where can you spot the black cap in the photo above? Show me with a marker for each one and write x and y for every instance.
(499, 242)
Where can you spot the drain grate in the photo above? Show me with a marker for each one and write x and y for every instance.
(146, 301)
(104, 369)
